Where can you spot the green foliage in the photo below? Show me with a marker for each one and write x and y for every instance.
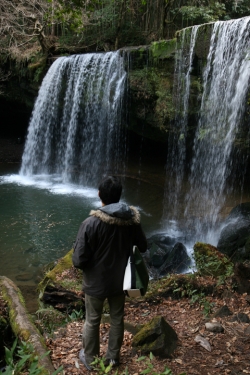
(20, 359)
(49, 319)
(99, 366)
(209, 261)
(196, 297)
(203, 13)
(201, 299)
(237, 8)
(75, 315)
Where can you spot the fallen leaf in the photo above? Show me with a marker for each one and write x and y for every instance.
(178, 360)
(203, 342)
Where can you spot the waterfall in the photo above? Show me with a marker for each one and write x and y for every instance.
(225, 85)
(175, 167)
(76, 129)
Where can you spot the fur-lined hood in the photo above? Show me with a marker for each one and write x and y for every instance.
(118, 214)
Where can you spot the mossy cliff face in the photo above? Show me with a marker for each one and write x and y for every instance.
(151, 83)
(25, 76)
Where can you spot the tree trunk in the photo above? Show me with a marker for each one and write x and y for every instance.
(22, 325)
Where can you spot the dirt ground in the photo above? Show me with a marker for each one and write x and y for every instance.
(230, 350)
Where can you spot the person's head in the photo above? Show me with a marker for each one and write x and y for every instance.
(110, 190)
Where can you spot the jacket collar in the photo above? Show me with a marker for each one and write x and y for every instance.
(106, 218)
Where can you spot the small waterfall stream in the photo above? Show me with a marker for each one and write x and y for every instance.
(176, 159)
(225, 85)
(76, 131)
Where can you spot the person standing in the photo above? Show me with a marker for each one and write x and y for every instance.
(101, 250)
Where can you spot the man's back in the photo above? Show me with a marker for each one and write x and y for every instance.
(106, 240)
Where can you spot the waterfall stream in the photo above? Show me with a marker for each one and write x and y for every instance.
(225, 85)
(177, 140)
(75, 131)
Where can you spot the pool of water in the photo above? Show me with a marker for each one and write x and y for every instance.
(40, 216)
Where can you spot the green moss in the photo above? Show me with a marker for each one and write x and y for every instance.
(163, 49)
(51, 276)
(152, 101)
(63, 263)
(54, 276)
(23, 333)
(75, 284)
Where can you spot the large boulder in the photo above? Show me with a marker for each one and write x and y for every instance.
(234, 239)
(177, 261)
(156, 337)
(166, 255)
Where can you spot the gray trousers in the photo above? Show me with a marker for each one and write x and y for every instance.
(90, 338)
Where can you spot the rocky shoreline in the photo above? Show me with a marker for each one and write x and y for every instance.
(11, 150)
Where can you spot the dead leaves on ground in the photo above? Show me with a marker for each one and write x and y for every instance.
(230, 351)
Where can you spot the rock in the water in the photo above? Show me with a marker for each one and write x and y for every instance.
(235, 236)
(166, 255)
(162, 240)
(157, 337)
(177, 260)
(157, 256)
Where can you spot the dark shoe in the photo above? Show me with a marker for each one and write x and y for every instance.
(83, 360)
(111, 362)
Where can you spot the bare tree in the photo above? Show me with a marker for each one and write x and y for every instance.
(22, 22)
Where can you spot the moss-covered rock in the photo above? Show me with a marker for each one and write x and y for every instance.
(156, 337)
(163, 49)
(61, 285)
(209, 261)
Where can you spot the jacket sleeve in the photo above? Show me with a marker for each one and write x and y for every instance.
(82, 250)
(140, 239)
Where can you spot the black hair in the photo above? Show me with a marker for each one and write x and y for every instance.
(110, 190)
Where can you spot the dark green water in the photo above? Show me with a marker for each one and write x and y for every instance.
(39, 219)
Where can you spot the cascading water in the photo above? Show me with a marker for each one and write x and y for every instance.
(76, 130)
(177, 140)
(225, 84)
